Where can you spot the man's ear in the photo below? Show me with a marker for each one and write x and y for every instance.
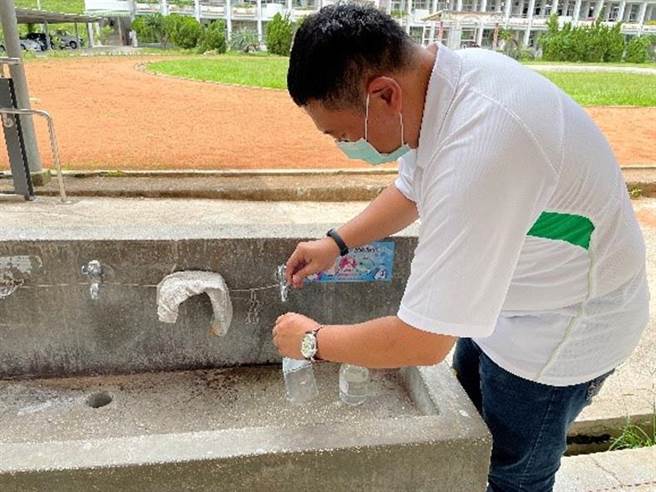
(389, 92)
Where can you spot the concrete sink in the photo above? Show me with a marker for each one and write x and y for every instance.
(232, 429)
(97, 394)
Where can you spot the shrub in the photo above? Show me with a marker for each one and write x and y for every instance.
(595, 43)
(213, 38)
(615, 48)
(526, 54)
(280, 32)
(105, 33)
(144, 31)
(183, 31)
(637, 50)
(155, 27)
(244, 40)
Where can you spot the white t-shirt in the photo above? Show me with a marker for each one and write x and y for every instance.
(527, 242)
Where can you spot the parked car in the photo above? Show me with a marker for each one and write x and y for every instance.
(68, 41)
(40, 37)
(28, 45)
(25, 44)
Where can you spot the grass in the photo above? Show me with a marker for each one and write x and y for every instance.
(595, 64)
(589, 89)
(66, 6)
(607, 89)
(634, 436)
(255, 71)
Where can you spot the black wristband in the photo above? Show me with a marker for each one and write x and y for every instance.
(343, 248)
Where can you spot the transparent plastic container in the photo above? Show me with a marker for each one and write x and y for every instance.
(353, 384)
(300, 384)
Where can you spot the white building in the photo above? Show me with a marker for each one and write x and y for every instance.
(457, 23)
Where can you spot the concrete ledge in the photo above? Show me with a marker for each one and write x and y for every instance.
(341, 186)
(261, 185)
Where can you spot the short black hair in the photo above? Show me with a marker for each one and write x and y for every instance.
(337, 49)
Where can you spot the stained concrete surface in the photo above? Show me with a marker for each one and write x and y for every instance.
(185, 401)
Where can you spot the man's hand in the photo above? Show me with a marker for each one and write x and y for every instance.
(289, 331)
(310, 257)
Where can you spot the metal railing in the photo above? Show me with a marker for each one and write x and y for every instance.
(8, 121)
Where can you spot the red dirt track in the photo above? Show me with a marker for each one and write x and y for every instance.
(111, 115)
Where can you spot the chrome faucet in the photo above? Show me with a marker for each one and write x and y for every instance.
(282, 283)
(93, 270)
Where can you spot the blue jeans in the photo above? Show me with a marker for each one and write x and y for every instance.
(528, 420)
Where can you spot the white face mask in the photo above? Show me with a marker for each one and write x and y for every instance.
(363, 150)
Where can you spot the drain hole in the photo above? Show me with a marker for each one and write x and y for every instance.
(98, 400)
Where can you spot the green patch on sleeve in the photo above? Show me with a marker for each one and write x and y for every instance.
(574, 229)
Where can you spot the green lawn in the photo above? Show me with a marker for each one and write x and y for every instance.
(256, 71)
(649, 64)
(607, 89)
(589, 89)
(73, 6)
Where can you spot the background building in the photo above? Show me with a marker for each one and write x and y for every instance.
(457, 23)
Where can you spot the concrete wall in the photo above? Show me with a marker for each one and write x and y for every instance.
(51, 326)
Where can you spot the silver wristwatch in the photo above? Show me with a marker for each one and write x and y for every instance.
(309, 345)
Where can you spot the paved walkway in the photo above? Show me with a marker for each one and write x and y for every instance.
(626, 470)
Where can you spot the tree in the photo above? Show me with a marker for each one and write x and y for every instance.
(213, 38)
(280, 32)
(183, 31)
(155, 24)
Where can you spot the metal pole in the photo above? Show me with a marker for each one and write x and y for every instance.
(90, 35)
(54, 146)
(77, 36)
(12, 46)
(48, 43)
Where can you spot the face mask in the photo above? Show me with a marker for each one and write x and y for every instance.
(364, 151)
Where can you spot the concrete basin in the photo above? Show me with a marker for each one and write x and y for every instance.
(232, 429)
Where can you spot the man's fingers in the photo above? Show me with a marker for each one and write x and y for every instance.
(297, 278)
(282, 317)
(295, 261)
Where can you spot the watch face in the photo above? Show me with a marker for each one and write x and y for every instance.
(308, 346)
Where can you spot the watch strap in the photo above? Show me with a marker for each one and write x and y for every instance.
(315, 334)
(343, 248)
